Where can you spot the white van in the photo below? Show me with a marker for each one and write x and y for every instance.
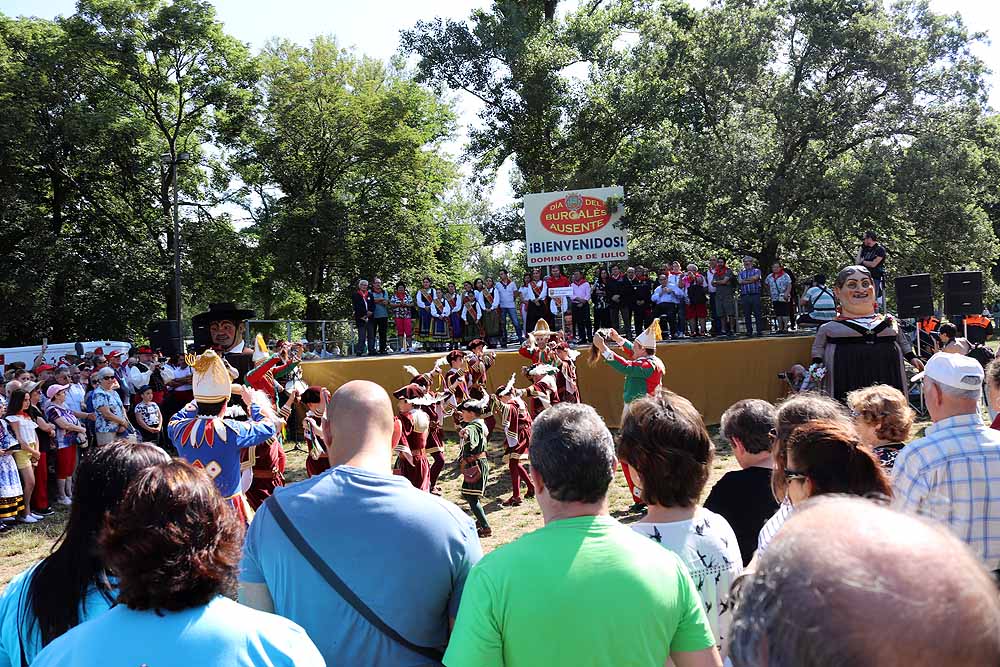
(56, 351)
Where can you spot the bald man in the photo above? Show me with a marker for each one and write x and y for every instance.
(849, 582)
(404, 552)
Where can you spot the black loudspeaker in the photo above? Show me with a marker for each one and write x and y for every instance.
(963, 293)
(164, 336)
(914, 296)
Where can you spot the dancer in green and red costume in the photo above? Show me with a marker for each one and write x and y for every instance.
(516, 422)
(643, 374)
(204, 438)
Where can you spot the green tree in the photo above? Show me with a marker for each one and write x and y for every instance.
(345, 159)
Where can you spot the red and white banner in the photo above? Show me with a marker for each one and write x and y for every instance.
(574, 227)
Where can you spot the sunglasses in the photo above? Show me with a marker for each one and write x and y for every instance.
(794, 474)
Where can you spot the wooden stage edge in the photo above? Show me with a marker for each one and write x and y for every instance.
(712, 374)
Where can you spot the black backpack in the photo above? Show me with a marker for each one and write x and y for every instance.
(982, 354)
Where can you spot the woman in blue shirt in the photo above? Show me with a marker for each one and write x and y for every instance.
(175, 546)
(70, 585)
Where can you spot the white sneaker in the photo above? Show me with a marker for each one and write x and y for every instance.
(27, 519)
(65, 500)
(38, 517)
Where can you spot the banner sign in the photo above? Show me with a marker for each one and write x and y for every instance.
(574, 227)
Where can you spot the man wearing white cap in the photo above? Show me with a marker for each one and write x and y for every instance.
(948, 474)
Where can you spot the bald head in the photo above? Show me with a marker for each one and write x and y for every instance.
(845, 575)
(360, 421)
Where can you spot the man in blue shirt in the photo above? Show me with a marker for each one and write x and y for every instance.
(750, 295)
(404, 552)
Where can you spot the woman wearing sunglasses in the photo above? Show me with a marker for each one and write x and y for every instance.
(825, 456)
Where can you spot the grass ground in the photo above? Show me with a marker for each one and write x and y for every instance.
(27, 544)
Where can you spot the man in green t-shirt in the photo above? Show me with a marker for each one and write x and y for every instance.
(584, 590)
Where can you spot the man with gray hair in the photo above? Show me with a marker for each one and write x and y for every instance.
(849, 582)
(363, 305)
(584, 589)
(952, 473)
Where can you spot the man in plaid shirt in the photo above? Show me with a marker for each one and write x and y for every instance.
(948, 474)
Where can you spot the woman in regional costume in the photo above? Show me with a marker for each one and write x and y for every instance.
(410, 448)
(11, 491)
(861, 347)
(425, 297)
(473, 462)
(516, 424)
(643, 375)
(489, 302)
(472, 314)
(435, 411)
(207, 440)
(440, 324)
(315, 400)
(453, 300)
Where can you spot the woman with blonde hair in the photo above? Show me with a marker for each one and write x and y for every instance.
(883, 418)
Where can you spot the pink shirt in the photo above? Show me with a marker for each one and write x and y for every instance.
(581, 291)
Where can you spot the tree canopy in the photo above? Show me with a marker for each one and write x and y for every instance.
(774, 128)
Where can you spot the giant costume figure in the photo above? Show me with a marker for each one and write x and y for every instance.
(861, 347)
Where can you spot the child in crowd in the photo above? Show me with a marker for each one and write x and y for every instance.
(28, 452)
(147, 416)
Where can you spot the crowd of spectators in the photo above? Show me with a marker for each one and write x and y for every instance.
(837, 532)
(690, 302)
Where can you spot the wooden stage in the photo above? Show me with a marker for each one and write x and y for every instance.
(712, 374)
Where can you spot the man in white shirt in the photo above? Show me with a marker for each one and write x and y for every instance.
(580, 303)
(709, 277)
(506, 293)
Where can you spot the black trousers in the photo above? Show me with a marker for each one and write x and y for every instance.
(381, 328)
(640, 318)
(621, 313)
(581, 322)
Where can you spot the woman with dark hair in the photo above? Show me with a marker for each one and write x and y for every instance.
(828, 457)
(29, 456)
(174, 545)
(599, 295)
(795, 411)
(71, 585)
(669, 452)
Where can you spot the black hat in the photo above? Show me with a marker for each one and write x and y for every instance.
(226, 310)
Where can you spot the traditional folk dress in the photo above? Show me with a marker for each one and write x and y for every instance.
(425, 297)
(318, 460)
(642, 376)
(471, 316)
(268, 468)
(861, 352)
(11, 491)
(214, 444)
(457, 386)
(415, 467)
(478, 381)
(537, 307)
(543, 392)
(454, 303)
(440, 323)
(474, 455)
(516, 424)
(489, 302)
(566, 381)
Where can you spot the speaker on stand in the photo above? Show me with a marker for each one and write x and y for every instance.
(963, 293)
(915, 299)
(164, 335)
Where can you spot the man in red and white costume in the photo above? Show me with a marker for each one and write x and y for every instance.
(516, 424)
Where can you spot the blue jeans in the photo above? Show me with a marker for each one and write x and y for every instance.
(750, 303)
(512, 314)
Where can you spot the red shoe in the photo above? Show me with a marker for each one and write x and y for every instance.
(484, 532)
(511, 502)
